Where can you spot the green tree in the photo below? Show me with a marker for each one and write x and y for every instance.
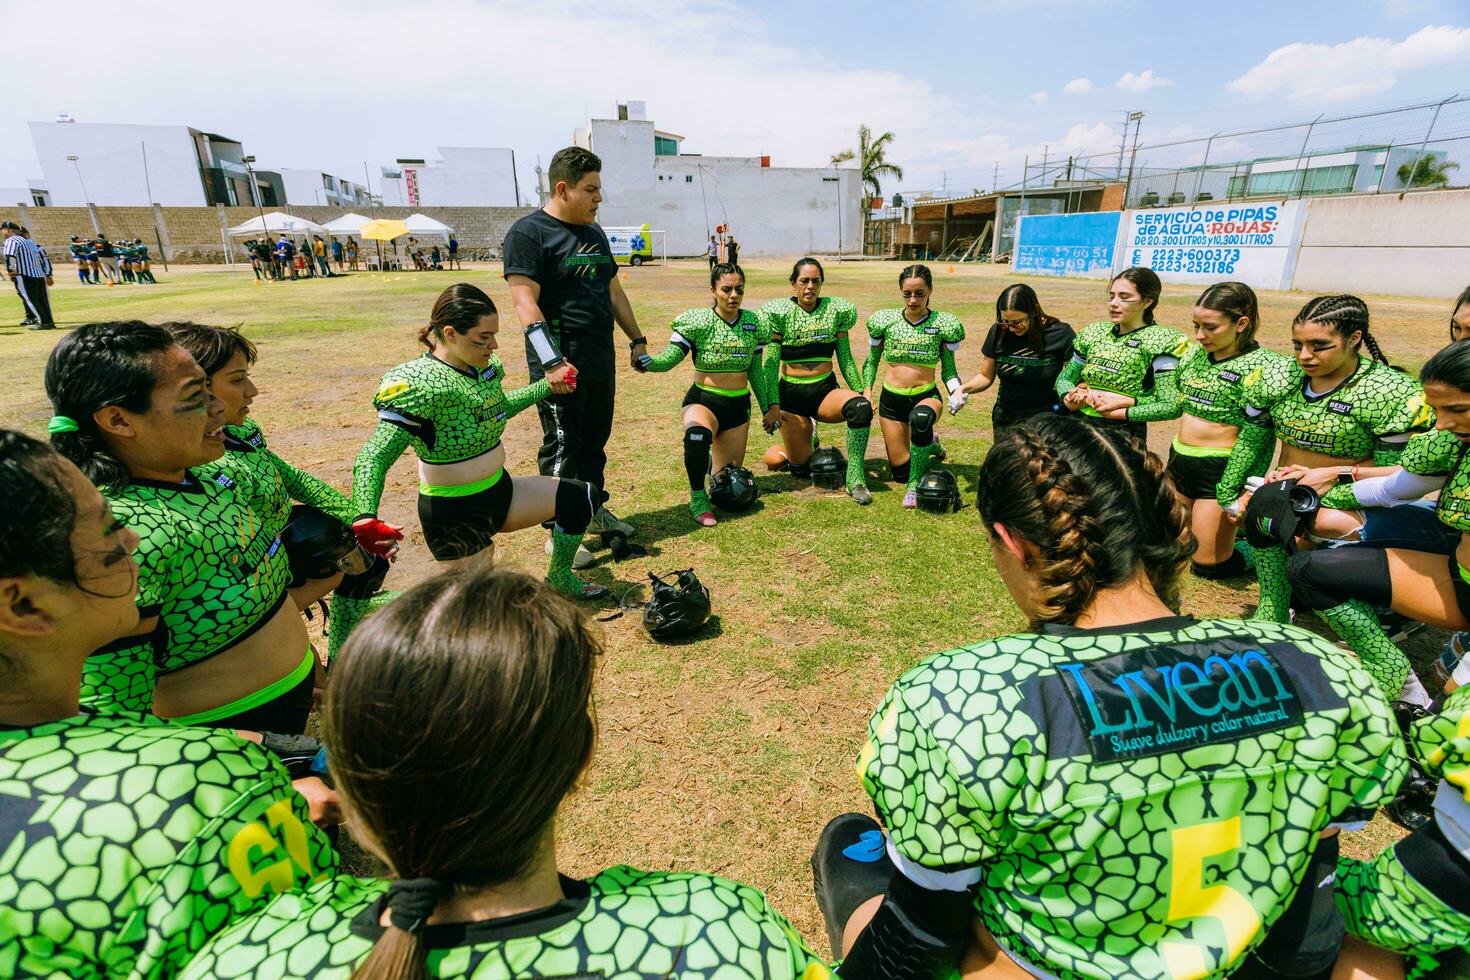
(871, 154)
(1430, 171)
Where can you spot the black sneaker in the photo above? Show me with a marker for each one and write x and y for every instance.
(849, 866)
(860, 493)
(42, 326)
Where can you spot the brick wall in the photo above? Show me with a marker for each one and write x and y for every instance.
(196, 234)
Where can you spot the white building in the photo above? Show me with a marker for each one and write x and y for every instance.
(124, 164)
(769, 210)
(462, 176)
(304, 187)
(34, 194)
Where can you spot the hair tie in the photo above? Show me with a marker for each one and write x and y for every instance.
(60, 423)
(411, 901)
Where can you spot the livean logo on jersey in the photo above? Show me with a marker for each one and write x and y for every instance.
(1173, 698)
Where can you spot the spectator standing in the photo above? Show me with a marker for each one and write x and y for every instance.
(30, 270)
(564, 284)
(337, 254)
(453, 252)
(732, 251)
(712, 252)
(285, 252)
(319, 249)
(352, 254)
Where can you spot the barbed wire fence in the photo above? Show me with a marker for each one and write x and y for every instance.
(1395, 149)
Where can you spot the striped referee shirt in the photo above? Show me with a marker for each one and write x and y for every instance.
(25, 258)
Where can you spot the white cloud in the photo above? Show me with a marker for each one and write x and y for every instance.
(1037, 98)
(1078, 86)
(1143, 81)
(1364, 66)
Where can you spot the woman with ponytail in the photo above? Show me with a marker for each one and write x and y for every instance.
(1341, 413)
(122, 835)
(451, 407)
(226, 355)
(459, 719)
(219, 643)
(1055, 796)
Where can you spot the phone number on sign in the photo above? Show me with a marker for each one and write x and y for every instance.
(1199, 261)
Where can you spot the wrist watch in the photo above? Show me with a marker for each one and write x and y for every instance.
(633, 344)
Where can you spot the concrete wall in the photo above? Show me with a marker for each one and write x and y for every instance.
(195, 234)
(110, 158)
(1411, 244)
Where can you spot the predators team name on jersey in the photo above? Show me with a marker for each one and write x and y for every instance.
(810, 336)
(276, 482)
(1215, 390)
(921, 343)
(1367, 415)
(718, 346)
(446, 414)
(1138, 804)
(619, 925)
(209, 568)
(126, 842)
(1124, 363)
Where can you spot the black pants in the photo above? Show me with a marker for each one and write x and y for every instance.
(32, 290)
(575, 427)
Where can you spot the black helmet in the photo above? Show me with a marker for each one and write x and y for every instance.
(733, 489)
(938, 492)
(1277, 510)
(675, 608)
(320, 546)
(829, 468)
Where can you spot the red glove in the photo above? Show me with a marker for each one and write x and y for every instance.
(375, 536)
(571, 379)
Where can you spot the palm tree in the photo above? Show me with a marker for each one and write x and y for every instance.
(870, 154)
(1429, 171)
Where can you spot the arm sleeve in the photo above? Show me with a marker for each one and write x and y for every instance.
(947, 369)
(381, 451)
(1402, 487)
(308, 489)
(671, 355)
(848, 364)
(1250, 456)
(1071, 374)
(1162, 400)
(870, 363)
(517, 400)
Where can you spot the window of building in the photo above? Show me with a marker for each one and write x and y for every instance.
(327, 182)
(1237, 186)
(1329, 180)
(1378, 175)
(665, 147)
(688, 178)
(38, 200)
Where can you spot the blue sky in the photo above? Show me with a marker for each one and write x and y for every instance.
(962, 85)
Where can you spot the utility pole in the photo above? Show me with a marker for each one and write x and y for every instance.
(1136, 119)
(1122, 145)
(995, 178)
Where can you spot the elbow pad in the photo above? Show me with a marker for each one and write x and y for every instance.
(916, 934)
(543, 345)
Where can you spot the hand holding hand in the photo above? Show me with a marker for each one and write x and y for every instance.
(641, 363)
(957, 400)
(640, 353)
(563, 378)
(377, 537)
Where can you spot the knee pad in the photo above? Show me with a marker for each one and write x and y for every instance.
(859, 412)
(921, 425)
(900, 471)
(1327, 577)
(915, 932)
(364, 585)
(1229, 568)
(697, 442)
(576, 502)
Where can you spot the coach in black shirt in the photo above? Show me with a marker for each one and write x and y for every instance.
(562, 274)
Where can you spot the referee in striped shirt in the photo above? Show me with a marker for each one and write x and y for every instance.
(29, 268)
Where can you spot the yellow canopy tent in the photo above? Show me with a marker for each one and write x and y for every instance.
(382, 230)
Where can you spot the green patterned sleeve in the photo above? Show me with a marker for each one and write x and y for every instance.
(381, 451)
(947, 368)
(848, 364)
(517, 400)
(1071, 373)
(1159, 403)
(870, 363)
(770, 370)
(1250, 457)
(307, 489)
(666, 359)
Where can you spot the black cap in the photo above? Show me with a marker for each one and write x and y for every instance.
(9, 226)
(1276, 511)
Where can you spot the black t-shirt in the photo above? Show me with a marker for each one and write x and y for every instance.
(1028, 377)
(574, 266)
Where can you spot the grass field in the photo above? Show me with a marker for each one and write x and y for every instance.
(726, 753)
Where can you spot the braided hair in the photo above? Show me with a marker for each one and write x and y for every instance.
(1097, 508)
(1346, 315)
(99, 366)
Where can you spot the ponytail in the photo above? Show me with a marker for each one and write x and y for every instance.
(460, 306)
(399, 953)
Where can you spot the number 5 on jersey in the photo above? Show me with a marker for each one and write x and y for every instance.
(1191, 898)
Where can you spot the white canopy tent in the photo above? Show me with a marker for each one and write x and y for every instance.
(349, 224)
(423, 226)
(276, 222)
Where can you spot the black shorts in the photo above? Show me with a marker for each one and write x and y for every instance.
(1196, 477)
(285, 714)
(806, 399)
(896, 407)
(458, 527)
(730, 411)
(1461, 587)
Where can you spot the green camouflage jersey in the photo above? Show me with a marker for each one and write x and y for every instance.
(1139, 363)
(799, 337)
(1133, 802)
(893, 338)
(1213, 390)
(447, 415)
(126, 842)
(209, 567)
(622, 923)
(719, 347)
(1399, 900)
(276, 482)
